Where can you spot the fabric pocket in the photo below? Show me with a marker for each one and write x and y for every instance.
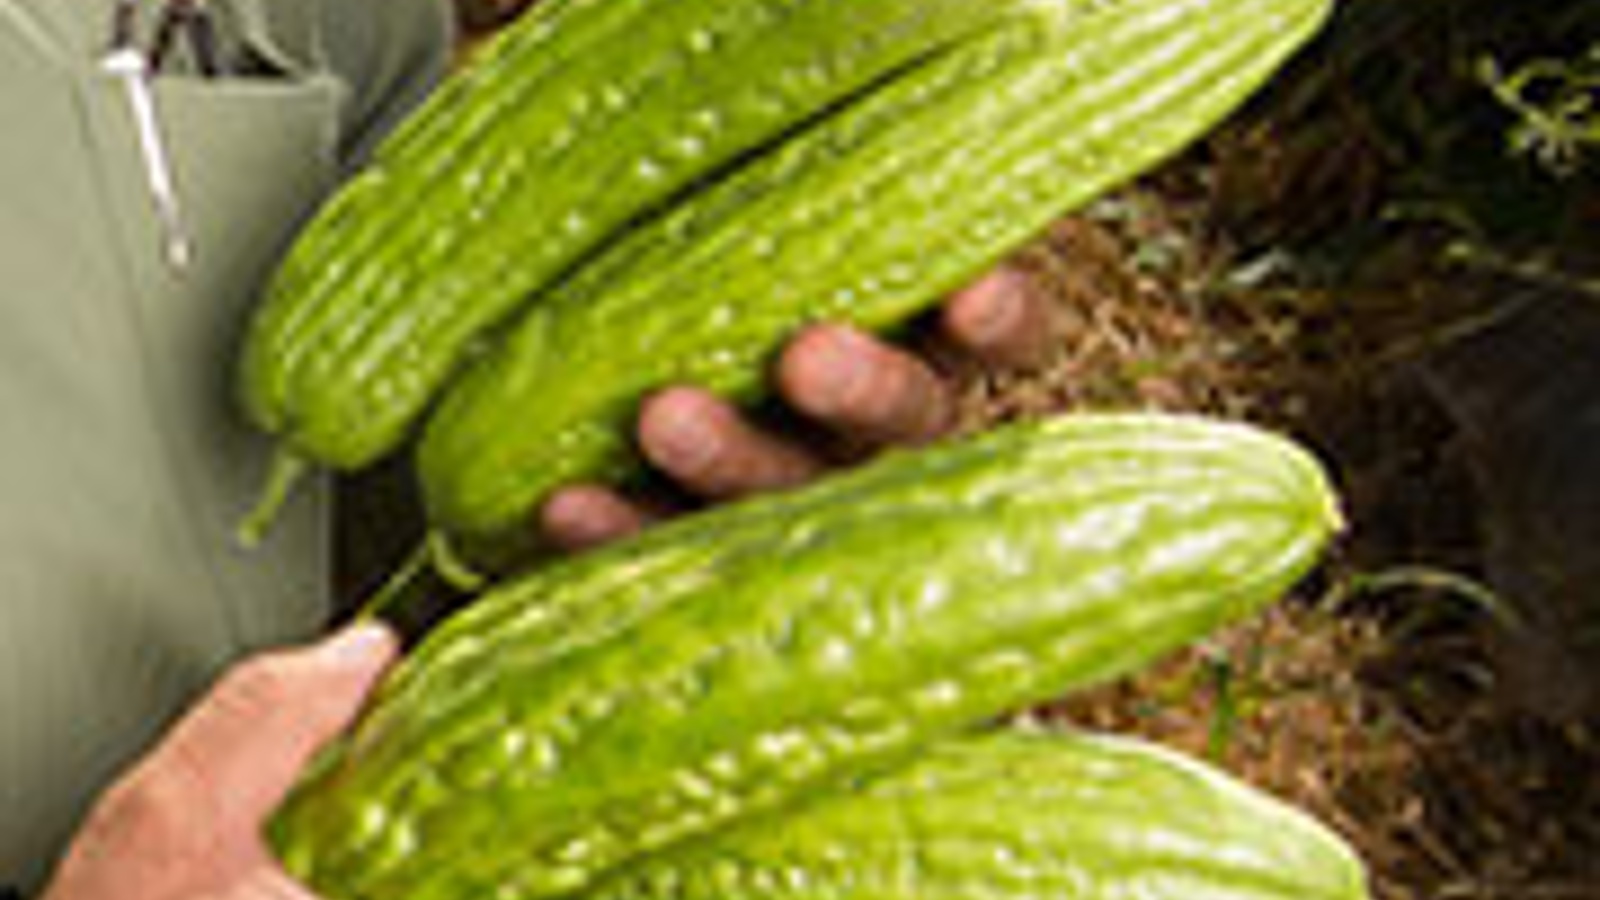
(250, 160)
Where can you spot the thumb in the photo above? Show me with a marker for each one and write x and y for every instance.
(244, 745)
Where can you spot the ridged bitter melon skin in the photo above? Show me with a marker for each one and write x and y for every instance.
(867, 217)
(1018, 816)
(592, 711)
(582, 118)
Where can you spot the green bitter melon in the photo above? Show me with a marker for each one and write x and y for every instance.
(1019, 816)
(582, 119)
(867, 216)
(604, 707)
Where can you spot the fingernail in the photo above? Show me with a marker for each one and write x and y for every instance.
(679, 437)
(996, 318)
(579, 517)
(841, 371)
(359, 645)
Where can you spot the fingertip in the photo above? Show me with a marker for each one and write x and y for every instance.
(368, 644)
(679, 430)
(336, 675)
(822, 370)
(999, 319)
(710, 449)
(690, 434)
(582, 516)
(863, 388)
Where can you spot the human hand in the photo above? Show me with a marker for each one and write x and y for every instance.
(185, 822)
(848, 382)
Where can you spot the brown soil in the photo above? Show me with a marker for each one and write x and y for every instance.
(1370, 698)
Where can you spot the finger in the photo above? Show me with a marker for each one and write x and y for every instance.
(863, 388)
(246, 743)
(1000, 320)
(705, 445)
(583, 516)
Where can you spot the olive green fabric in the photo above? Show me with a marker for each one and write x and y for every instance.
(125, 466)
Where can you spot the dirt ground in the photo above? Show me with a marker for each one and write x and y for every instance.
(1372, 697)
